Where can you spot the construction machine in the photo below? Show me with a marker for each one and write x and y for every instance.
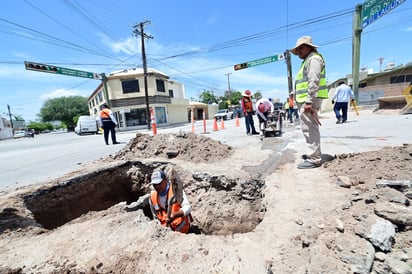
(407, 92)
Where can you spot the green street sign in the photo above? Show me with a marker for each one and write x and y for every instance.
(60, 70)
(258, 62)
(372, 10)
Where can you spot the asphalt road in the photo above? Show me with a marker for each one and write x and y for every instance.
(26, 161)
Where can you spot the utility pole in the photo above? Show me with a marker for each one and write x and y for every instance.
(228, 83)
(289, 71)
(357, 30)
(380, 64)
(138, 30)
(11, 120)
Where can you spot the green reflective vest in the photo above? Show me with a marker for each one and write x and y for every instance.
(301, 83)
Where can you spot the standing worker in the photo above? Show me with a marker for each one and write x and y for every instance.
(247, 108)
(165, 206)
(109, 123)
(310, 88)
(286, 107)
(341, 100)
(291, 105)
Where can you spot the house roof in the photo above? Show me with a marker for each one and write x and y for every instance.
(136, 71)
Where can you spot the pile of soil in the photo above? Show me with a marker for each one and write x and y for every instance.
(183, 146)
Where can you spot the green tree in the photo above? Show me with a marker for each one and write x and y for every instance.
(208, 97)
(18, 117)
(64, 109)
(235, 97)
(257, 95)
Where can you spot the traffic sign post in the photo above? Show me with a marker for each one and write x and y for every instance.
(260, 61)
(61, 70)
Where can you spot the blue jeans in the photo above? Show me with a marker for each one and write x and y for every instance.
(250, 124)
(341, 106)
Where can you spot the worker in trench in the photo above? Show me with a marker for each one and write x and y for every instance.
(168, 201)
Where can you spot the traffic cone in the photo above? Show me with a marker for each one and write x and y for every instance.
(237, 121)
(222, 123)
(215, 128)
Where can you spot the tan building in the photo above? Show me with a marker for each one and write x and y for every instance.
(127, 98)
(378, 88)
(6, 130)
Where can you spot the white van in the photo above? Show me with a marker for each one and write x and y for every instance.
(86, 124)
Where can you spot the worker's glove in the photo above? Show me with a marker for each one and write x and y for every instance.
(333, 102)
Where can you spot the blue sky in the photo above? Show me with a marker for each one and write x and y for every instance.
(194, 42)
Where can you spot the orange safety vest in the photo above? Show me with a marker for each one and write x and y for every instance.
(180, 224)
(105, 114)
(291, 101)
(248, 104)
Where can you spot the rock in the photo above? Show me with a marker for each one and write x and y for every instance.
(392, 195)
(396, 266)
(356, 252)
(339, 225)
(343, 181)
(380, 232)
(397, 214)
(399, 185)
(380, 256)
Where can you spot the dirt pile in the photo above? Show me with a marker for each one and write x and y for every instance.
(183, 146)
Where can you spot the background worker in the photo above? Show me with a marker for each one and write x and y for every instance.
(310, 89)
(109, 123)
(341, 99)
(286, 107)
(165, 205)
(263, 108)
(247, 108)
(291, 105)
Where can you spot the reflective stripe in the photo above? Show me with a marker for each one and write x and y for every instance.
(301, 83)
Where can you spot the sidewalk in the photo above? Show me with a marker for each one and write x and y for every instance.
(368, 131)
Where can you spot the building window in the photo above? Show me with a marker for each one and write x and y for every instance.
(130, 85)
(171, 93)
(136, 117)
(100, 96)
(160, 115)
(397, 79)
(160, 85)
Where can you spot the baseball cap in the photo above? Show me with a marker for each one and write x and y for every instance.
(157, 177)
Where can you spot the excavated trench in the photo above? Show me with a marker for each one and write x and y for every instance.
(220, 206)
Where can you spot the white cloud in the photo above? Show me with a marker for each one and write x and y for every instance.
(57, 93)
(212, 20)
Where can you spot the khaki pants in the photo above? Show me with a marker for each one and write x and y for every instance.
(310, 130)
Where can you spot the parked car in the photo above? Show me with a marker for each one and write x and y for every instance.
(223, 114)
(86, 124)
(19, 133)
(237, 112)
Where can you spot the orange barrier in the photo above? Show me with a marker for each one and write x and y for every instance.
(222, 123)
(204, 122)
(153, 121)
(192, 118)
(215, 128)
(237, 121)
